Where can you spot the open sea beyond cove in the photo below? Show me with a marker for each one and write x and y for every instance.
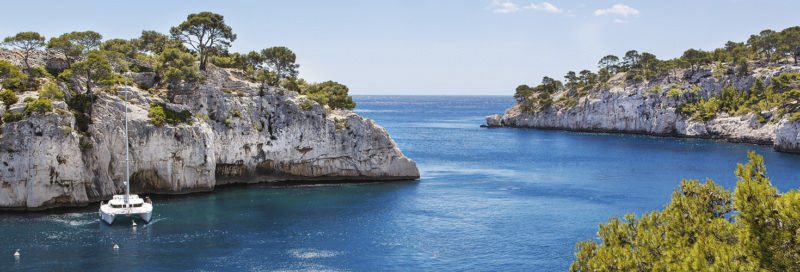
(498, 199)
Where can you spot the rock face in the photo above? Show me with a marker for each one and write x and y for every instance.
(238, 134)
(636, 109)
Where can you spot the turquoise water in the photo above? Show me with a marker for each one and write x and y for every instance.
(496, 199)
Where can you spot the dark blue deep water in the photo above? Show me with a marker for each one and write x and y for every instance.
(488, 200)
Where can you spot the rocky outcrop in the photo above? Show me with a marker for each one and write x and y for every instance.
(237, 134)
(621, 108)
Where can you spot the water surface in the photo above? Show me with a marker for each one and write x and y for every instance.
(496, 199)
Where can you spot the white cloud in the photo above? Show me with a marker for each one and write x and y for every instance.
(499, 6)
(620, 21)
(544, 6)
(619, 10)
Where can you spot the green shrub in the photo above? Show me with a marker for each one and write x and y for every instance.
(330, 93)
(159, 115)
(201, 116)
(237, 113)
(226, 61)
(570, 102)
(28, 99)
(80, 105)
(306, 105)
(704, 228)
(655, 90)
(341, 124)
(51, 90)
(795, 116)
(41, 105)
(41, 72)
(10, 117)
(228, 122)
(8, 98)
(706, 109)
(143, 63)
(176, 66)
(12, 77)
(677, 90)
(719, 70)
(236, 92)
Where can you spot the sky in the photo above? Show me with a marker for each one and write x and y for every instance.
(442, 47)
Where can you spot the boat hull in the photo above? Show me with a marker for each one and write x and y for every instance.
(129, 206)
(109, 218)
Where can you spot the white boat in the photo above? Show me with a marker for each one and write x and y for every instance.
(126, 205)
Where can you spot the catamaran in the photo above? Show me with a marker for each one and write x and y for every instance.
(126, 205)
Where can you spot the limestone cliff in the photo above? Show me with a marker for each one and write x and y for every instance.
(237, 134)
(625, 107)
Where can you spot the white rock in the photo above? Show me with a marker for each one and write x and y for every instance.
(267, 138)
(624, 110)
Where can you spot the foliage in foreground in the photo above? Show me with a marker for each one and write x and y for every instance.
(705, 227)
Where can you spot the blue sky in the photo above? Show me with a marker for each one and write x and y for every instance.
(432, 46)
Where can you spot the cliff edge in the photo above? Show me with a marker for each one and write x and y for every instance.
(234, 132)
(673, 105)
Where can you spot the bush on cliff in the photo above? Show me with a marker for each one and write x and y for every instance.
(83, 59)
(51, 91)
(704, 228)
(25, 43)
(732, 59)
(159, 114)
(10, 117)
(11, 77)
(330, 93)
(41, 105)
(8, 98)
(781, 94)
(177, 67)
(539, 97)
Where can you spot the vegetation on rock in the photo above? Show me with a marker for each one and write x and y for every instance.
(8, 98)
(85, 64)
(204, 32)
(10, 117)
(51, 91)
(26, 43)
(159, 114)
(330, 93)
(783, 95)
(11, 77)
(176, 67)
(41, 105)
(734, 59)
(94, 69)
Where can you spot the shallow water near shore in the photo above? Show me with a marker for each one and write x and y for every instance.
(498, 199)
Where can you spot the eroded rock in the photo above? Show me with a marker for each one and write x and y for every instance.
(238, 134)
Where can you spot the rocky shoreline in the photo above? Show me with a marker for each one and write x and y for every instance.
(237, 134)
(635, 109)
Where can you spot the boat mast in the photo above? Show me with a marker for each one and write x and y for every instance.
(127, 166)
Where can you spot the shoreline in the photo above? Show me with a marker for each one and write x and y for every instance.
(62, 209)
(769, 143)
(660, 135)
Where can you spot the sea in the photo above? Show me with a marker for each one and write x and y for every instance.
(489, 199)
